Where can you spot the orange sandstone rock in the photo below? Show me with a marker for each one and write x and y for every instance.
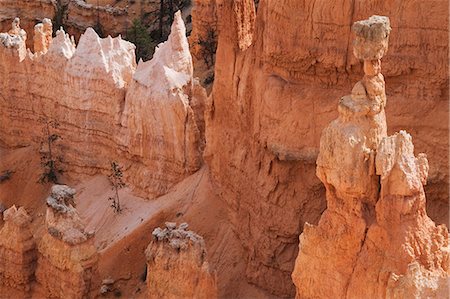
(204, 20)
(367, 239)
(160, 92)
(107, 110)
(43, 36)
(76, 15)
(177, 266)
(271, 102)
(17, 254)
(404, 255)
(67, 256)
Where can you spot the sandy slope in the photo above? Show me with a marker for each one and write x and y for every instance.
(122, 238)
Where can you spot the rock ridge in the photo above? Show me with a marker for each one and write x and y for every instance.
(105, 106)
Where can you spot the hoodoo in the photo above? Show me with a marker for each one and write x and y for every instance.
(367, 239)
(68, 258)
(17, 254)
(141, 117)
(177, 266)
(228, 115)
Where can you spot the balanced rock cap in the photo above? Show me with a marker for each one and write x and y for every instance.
(372, 37)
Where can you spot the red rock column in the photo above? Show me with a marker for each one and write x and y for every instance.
(346, 166)
(67, 256)
(177, 266)
(405, 254)
(375, 239)
(17, 255)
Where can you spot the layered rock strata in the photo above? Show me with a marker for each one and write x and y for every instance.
(17, 254)
(106, 110)
(367, 239)
(75, 15)
(67, 256)
(271, 102)
(79, 15)
(177, 266)
(30, 12)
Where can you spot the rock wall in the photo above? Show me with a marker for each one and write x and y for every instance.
(271, 101)
(30, 12)
(76, 15)
(80, 15)
(105, 111)
(67, 256)
(177, 266)
(204, 19)
(17, 254)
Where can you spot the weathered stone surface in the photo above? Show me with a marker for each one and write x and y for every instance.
(106, 109)
(62, 218)
(177, 266)
(271, 102)
(204, 20)
(372, 38)
(371, 234)
(67, 258)
(76, 15)
(404, 254)
(161, 91)
(17, 254)
(43, 36)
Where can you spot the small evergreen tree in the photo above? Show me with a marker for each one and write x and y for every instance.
(115, 178)
(139, 36)
(49, 161)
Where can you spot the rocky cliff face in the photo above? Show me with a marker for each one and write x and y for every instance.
(17, 254)
(29, 12)
(76, 15)
(67, 256)
(368, 238)
(271, 101)
(204, 21)
(177, 266)
(101, 104)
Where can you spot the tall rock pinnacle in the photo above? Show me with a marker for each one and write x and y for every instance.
(347, 255)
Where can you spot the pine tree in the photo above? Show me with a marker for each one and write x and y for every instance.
(116, 180)
(49, 162)
(139, 36)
